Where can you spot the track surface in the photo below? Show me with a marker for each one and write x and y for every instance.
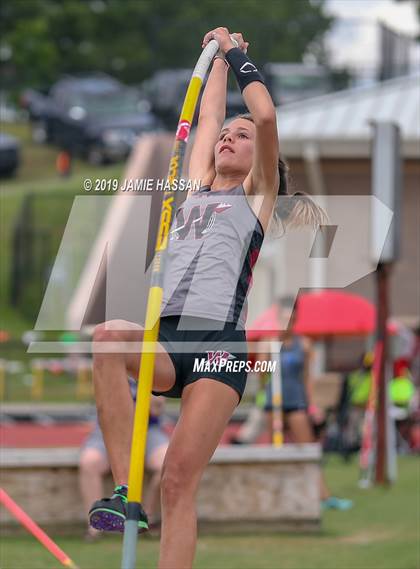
(33, 435)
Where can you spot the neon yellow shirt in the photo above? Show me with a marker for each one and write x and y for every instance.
(359, 383)
(401, 390)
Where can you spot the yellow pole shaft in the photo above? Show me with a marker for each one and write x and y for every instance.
(151, 333)
(37, 382)
(141, 417)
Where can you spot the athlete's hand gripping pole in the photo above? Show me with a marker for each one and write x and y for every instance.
(141, 418)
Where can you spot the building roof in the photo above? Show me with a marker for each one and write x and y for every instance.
(339, 124)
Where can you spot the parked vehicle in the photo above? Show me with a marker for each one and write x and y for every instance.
(289, 82)
(94, 116)
(36, 103)
(9, 155)
(166, 91)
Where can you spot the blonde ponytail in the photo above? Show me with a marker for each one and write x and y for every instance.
(296, 210)
(299, 210)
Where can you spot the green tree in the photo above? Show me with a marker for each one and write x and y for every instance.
(417, 6)
(41, 39)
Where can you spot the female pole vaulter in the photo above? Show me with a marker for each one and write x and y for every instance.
(217, 227)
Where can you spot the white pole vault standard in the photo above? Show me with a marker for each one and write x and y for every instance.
(367, 457)
(141, 418)
(277, 395)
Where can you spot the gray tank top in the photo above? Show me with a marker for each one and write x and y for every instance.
(214, 244)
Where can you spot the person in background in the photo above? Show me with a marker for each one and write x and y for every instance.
(402, 388)
(358, 386)
(402, 394)
(415, 358)
(299, 410)
(94, 464)
(415, 372)
(254, 424)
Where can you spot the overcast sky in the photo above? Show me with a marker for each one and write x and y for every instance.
(354, 40)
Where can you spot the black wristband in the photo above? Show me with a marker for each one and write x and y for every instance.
(243, 68)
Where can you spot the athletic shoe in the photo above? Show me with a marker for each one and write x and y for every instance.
(109, 514)
(334, 503)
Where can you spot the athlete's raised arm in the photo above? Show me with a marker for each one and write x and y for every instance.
(264, 175)
(212, 112)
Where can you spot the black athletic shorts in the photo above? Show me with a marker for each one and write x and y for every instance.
(197, 353)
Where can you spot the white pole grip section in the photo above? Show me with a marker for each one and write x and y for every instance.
(205, 59)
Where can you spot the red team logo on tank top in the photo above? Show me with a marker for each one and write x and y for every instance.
(218, 357)
(200, 218)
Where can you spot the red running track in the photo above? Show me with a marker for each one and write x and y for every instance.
(33, 435)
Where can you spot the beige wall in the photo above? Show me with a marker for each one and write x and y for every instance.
(281, 486)
(353, 177)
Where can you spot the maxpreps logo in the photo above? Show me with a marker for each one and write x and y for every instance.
(215, 362)
(200, 219)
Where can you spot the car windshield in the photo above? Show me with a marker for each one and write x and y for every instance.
(115, 103)
(299, 82)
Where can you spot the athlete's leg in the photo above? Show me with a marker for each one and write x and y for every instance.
(111, 365)
(300, 426)
(93, 465)
(269, 423)
(154, 463)
(207, 406)
(301, 431)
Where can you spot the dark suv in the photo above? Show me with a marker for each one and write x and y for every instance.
(9, 155)
(94, 116)
(166, 91)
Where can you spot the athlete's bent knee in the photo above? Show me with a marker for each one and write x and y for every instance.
(92, 462)
(175, 483)
(107, 332)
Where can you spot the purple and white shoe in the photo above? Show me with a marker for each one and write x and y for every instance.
(109, 514)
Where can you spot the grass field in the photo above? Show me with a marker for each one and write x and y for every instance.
(38, 161)
(37, 175)
(379, 533)
(56, 388)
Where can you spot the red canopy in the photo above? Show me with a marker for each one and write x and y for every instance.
(325, 313)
